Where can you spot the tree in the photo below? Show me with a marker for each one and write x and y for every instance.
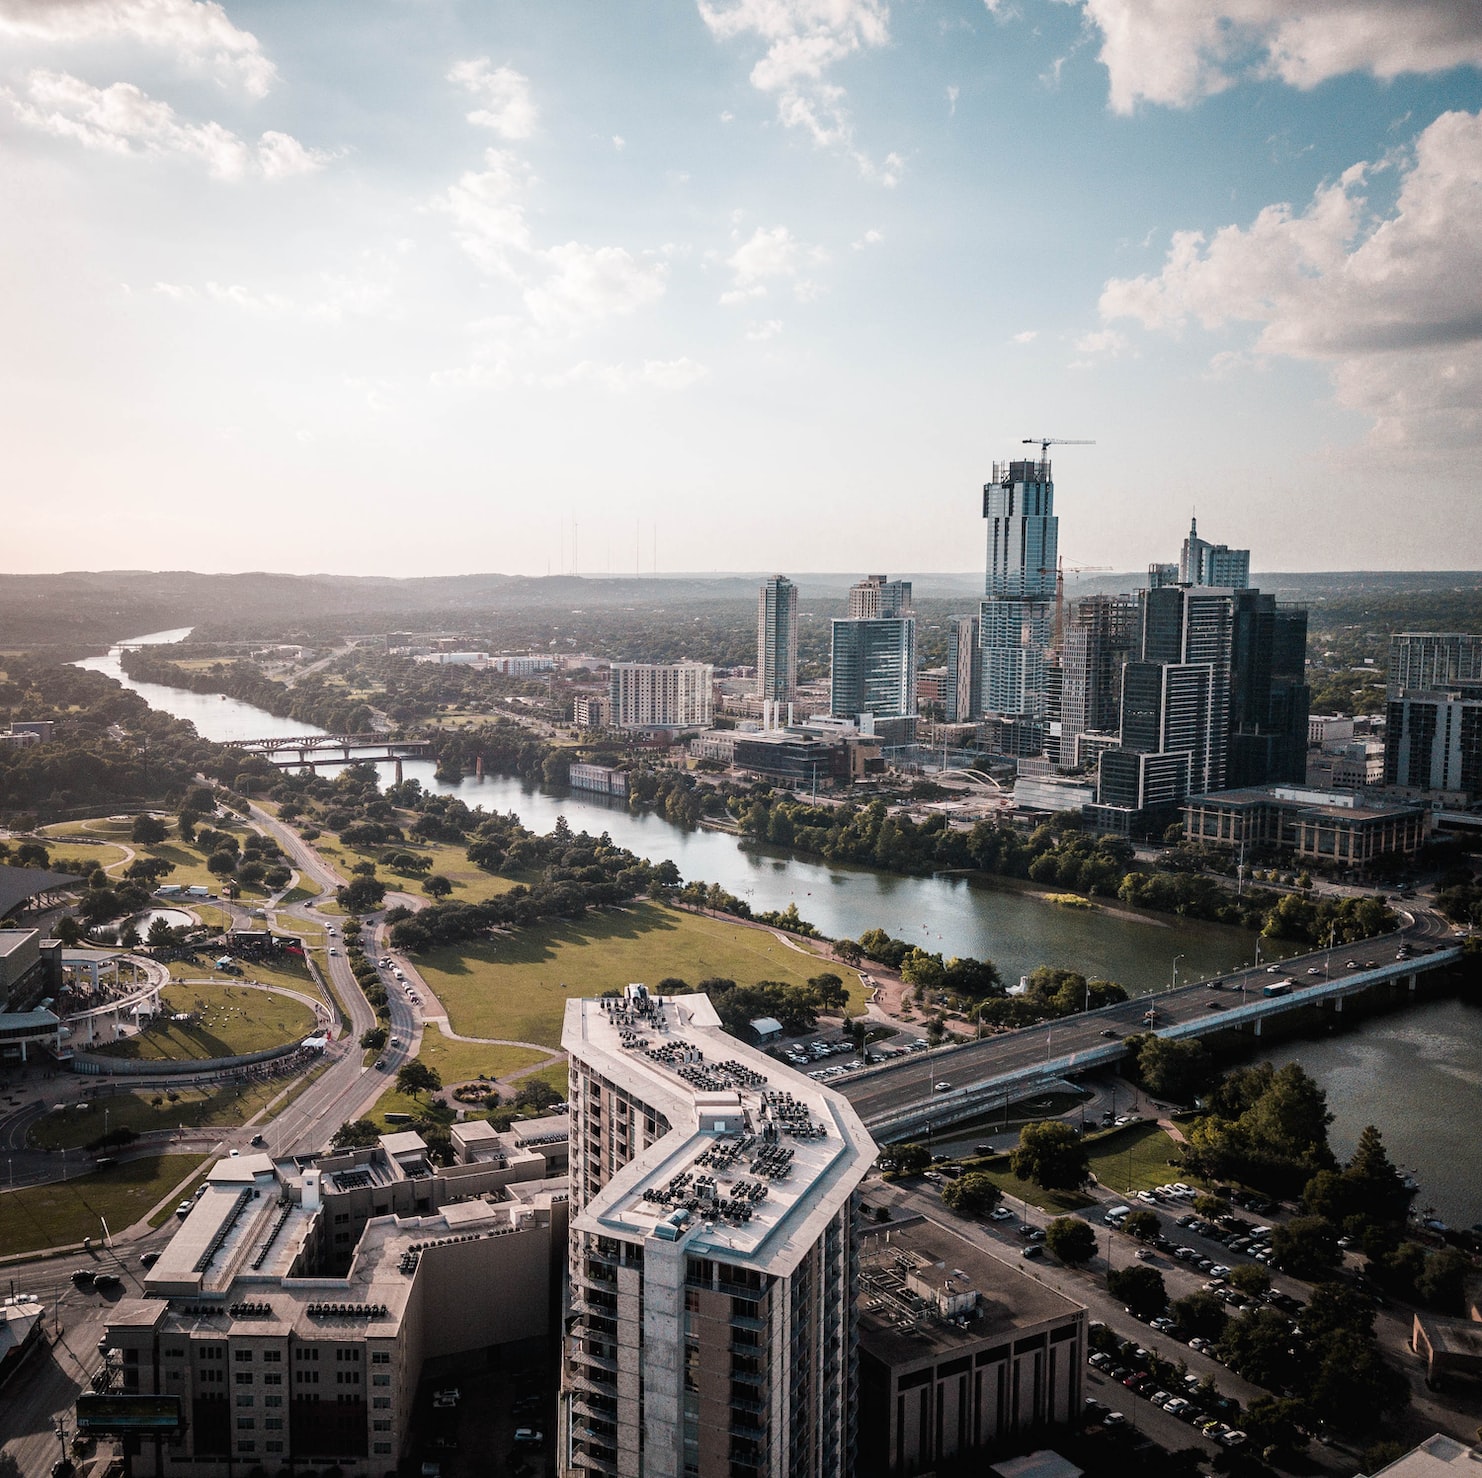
(973, 1194)
(160, 935)
(374, 1038)
(437, 886)
(355, 1134)
(1306, 1247)
(148, 831)
(1200, 1313)
(1251, 1279)
(67, 930)
(1442, 1281)
(1142, 1224)
(415, 1078)
(1071, 1239)
(536, 1093)
(1354, 1388)
(830, 991)
(222, 862)
(1140, 1288)
(1258, 1345)
(910, 1159)
(1277, 1421)
(1050, 1154)
(361, 895)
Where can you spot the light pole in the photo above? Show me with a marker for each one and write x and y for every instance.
(1176, 959)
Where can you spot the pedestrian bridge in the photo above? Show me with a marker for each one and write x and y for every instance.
(300, 751)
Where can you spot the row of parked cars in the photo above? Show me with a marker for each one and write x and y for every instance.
(1185, 1404)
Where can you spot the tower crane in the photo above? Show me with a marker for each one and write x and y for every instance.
(1060, 593)
(1044, 443)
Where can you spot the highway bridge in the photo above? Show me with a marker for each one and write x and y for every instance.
(304, 751)
(928, 1091)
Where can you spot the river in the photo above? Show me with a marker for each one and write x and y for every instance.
(1413, 1074)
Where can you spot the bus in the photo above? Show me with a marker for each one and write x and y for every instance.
(1279, 988)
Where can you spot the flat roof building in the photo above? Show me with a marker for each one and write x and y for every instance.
(712, 1252)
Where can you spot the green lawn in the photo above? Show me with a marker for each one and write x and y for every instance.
(68, 1211)
(1058, 1203)
(1134, 1158)
(518, 987)
(193, 1108)
(470, 884)
(234, 1019)
(457, 1062)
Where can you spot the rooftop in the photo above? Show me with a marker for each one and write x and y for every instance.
(758, 1159)
(18, 884)
(924, 1291)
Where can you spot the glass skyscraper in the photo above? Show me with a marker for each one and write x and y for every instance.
(777, 639)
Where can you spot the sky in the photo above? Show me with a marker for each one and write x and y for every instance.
(413, 287)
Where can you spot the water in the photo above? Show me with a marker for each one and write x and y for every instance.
(1413, 1074)
(176, 918)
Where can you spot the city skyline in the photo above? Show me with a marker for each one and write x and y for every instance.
(616, 292)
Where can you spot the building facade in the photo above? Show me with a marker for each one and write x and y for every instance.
(777, 639)
(1333, 827)
(873, 663)
(661, 695)
(1433, 734)
(1100, 637)
(712, 1257)
(963, 698)
(1203, 563)
(876, 597)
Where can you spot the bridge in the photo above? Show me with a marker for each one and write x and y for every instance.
(928, 1091)
(304, 751)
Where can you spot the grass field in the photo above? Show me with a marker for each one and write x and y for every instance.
(518, 987)
(68, 1211)
(470, 884)
(457, 1062)
(234, 1019)
(996, 1168)
(193, 1108)
(1134, 1158)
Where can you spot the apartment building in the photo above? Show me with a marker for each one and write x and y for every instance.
(712, 1257)
(661, 695)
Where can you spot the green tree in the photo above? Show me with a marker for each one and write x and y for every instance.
(1259, 1345)
(1071, 1239)
(1050, 1154)
(148, 831)
(1306, 1246)
(1140, 1288)
(160, 935)
(1200, 1313)
(1251, 1279)
(829, 990)
(910, 1159)
(1354, 1389)
(355, 1134)
(1142, 1224)
(374, 1038)
(67, 930)
(361, 895)
(973, 1194)
(437, 886)
(1277, 1421)
(416, 1077)
(1442, 1281)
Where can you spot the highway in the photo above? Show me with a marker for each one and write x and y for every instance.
(955, 1083)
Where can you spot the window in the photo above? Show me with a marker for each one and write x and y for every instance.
(273, 1423)
(240, 1355)
(381, 1403)
(244, 1377)
(380, 1447)
(352, 1353)
(246, 1445)
(380, 1380)
(347, 1377)
(174, 1352)
(272, 1400)
(272, 1446)
(307, 1377)
(273, 1357)
(213, 1377)
(244, 1400)
(246, 1423)
(380, 1357)
(273, 1378)
(381, 1424)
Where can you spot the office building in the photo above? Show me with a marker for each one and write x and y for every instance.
(777, 639)
(875, 597)
(1017, 616)
(1433, 734)
(1333, 827)
(959, 1352)
(661, 695)
(1269, 696)
(1203, 563)
(1099, 638)
(963, 697)
(712, 1259)
(873, 656)
(287, 1321)
(1434, 661)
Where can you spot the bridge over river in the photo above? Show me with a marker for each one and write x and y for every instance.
(929, 1091)
(304, 751)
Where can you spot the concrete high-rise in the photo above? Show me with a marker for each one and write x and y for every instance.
(661, 695)
(875, 597)
(964, 700)
(1433, 737)
(1100, 636)
(1017, 617)
(777, 639)
(713, 1258)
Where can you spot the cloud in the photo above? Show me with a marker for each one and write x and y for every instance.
(1026, 336)
(196, 31)
(770, 252)
(871, 237)
(364, 291)
(651, 374)
(488, 211)
(1391, 303)
(804, 39)
(124, 120)
(586, 283)
(953, 93)
(507, 106)
(759, 333)
(1175, 52)
(619, 143)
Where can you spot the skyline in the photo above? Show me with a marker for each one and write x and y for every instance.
(758, 283)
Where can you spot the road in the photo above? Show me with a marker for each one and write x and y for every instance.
(918, 1082)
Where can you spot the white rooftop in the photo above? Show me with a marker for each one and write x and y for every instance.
(759, 1157)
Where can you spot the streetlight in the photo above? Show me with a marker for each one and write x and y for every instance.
(1176, 959)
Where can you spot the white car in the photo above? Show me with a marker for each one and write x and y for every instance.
(941, 1087)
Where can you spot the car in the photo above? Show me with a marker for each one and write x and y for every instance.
(1350, 964)
(1033, 1250)
(183, 1209)
(1198, 1344)
(1231, 1438)
(148, 1259)
(445, 1400)
(1219, 1270)
(234, 1154)
(83, 1277)
(380, 1062)
(1094, 1408)
(1159, 1398)
(257, 1139)
(334, 951)
(107, 1282)
(1000, 1213)
(1273, 969)
(941, 1087)
(1143, 1254)
(1177, 1406)
(1114, 1419)
(529, 1437)
(1162, 1324)
(1100, 1359)
(1186, 1220)
(1313, 970)
(1109, 1032)
(1214, 985)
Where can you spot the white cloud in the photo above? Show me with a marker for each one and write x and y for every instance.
(1177, 51)
(1392, 303)
(771, 252)
(871, 237)
(619, 142)
(953, 93)
(507, 106)
(366, 290)
(759, 333)
(653, 374)
(804, 39)
(1026, 336)
(124, 120)
(488, 212)
(587, 283)
(196, 31)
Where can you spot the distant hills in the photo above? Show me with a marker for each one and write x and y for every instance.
(84, 609)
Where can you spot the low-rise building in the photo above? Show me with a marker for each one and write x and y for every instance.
(1336, 827)
(592, 710)
(601, 779)
(958, 1351)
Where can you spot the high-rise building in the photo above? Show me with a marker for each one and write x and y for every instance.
(1016, 618)
(661, 695)
(873, 656)
(713, 1259)
(1269, 696)
(875, 597)
(1100, 637)
(1433, 737)
(777, 639)
(1203, 563)
(964, 697)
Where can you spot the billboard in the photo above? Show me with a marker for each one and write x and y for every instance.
(116, 1415)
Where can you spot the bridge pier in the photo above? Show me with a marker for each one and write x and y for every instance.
(1259, 1021)
(478, 766)
(398, 769)
(1338, 1005)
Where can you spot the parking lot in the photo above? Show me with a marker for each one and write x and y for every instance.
(474, 1420)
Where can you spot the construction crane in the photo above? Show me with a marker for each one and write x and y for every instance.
(1044, 443)
(1059, 637)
